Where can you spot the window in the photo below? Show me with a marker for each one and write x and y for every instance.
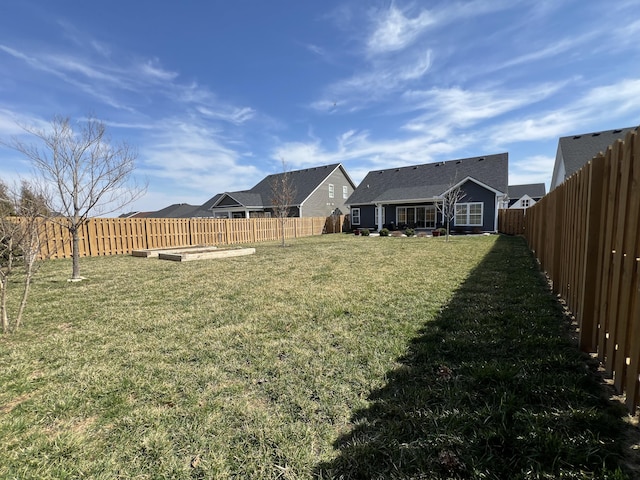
(345, 192)
(525, 203)
(331, 190)
(418, 217)
(469, 214)
(355, 216)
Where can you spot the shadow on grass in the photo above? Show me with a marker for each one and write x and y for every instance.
(492, 388)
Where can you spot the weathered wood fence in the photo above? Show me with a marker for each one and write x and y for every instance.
(586, 235)
(116, 236)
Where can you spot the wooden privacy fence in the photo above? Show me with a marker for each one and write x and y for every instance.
(511, 221)
(586, 236)
(116, 236)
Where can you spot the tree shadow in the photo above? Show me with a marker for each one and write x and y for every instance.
(494, 387)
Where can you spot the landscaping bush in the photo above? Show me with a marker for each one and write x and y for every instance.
(409, 232)
(364, 232)
(384, 232)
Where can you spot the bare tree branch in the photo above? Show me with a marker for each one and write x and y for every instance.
(283, 194)
(90, 174)
(22, 214)
(448, 206)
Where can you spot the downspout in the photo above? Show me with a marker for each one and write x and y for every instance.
(495, 220)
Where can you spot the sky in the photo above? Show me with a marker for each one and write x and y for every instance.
(215, 95)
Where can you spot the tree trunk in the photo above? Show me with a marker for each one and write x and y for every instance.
(3, 304)
(75, 251)
(27, 285)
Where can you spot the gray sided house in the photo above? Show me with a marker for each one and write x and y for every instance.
(410, 196)
(574, 151)
(319, 192)
(525, 196)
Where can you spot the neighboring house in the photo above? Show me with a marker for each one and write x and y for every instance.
(408, 196)
(319, 192)
(525, 196)
(180, 210)
(575, 151)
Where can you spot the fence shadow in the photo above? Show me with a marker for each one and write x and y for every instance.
(494, 387)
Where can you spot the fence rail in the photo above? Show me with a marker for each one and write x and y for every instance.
(117, 236)
(586, 235)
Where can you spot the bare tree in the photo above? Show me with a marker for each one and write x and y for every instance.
(448, 206)
(283, 194)
(88, 174)
(21, 222)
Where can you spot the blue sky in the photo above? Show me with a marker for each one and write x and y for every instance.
(215, 95)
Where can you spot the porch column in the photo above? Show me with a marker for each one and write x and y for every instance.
(379, 216)
(246, 214)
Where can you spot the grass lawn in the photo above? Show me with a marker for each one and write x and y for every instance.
(337, 357)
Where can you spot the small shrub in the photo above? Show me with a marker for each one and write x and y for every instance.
(364, 232)
(409, 232)
(384, 232)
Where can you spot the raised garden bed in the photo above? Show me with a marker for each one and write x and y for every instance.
(205, 254)
(154, 252)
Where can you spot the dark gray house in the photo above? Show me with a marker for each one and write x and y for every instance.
(409, 196)
(574, 151)
(525, 196)
(319, 192)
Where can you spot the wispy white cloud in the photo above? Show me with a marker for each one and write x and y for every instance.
(396, 31)
(358, 148)
(456, 107)
(373, 84)
(533, 169)
(599, 105)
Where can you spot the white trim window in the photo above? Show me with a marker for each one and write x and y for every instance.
(469, 214)
(331, 190)
(355, 216)
(345, 191)
(418, 216)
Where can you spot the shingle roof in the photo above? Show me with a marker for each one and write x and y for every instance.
(209, 203)
(534, 190)
(577, 150)
(430, 180)
(304, 181)
(180, 210)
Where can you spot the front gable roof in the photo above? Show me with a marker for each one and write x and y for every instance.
(431, 180)
(305, 182)
(243, 198)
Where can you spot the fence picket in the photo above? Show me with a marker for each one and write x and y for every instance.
(586, 236)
